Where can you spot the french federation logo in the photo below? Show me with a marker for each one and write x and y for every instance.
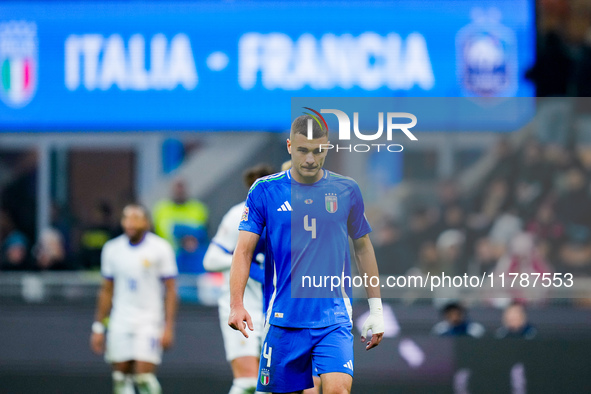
(331, 202)
(18, 62)
(265, 377)
(486, 54)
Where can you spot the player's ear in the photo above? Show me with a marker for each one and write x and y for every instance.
(288, 146)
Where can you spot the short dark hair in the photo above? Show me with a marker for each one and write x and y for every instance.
(453, 306)
(253, 173)
(142, 208)
(300, 126)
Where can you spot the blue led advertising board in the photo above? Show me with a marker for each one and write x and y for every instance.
(236, 65)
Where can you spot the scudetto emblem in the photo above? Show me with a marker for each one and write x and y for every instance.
(331, 202)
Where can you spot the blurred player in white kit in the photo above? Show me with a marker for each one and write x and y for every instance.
(242, 353)
(139, 270)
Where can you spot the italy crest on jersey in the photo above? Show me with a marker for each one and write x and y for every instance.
(265, 377)
(331, 202)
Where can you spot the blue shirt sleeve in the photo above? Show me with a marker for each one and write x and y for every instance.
(257, 272)
(253, 216)
(357, 224)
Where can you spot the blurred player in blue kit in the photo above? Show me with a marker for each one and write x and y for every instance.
(139, 271)
(307, 214)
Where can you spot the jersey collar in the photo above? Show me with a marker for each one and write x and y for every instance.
(324, 176)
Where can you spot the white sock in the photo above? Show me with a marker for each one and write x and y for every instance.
(243, 386)
(122, 383)
(147, 383)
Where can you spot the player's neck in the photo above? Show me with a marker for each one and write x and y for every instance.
(300, 179)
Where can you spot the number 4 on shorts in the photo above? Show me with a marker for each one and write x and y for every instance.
(267, 355)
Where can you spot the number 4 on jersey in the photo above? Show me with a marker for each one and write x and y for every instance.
(310, 227)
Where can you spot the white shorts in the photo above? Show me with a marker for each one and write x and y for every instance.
(235, 344)
(141, 345)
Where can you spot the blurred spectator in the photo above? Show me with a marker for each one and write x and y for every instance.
(453, 217)
(392, 252)
(574, 255)
(49, 253)
(506, 161)
(178, 210)
(533, 180)
(449, 193)
(523, 257)
(505, 227)
(485, 257)
(14, 254)
(573, 206)
(428, 259)
(515, 323)
(548, 231)
(183, 222)
(545, 226)
(450, 252)
(456, 324)
(93, 237)
(490, 204)
(421, 230)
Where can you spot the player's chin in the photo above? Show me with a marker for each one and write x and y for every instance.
(309, 172)
(132, 233)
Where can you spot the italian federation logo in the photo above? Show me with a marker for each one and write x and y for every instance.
(18, 62)
(265, 377)
(331, 202)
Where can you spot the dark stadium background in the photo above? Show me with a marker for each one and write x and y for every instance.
(76, 146)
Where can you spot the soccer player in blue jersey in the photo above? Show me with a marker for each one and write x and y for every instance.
(308, 213)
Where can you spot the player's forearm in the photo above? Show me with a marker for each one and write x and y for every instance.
(239, 273)
(367, 265)
(170, 303)
(105, 298)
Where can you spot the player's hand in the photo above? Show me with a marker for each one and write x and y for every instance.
(238, 317)
(375, 323)
(167, 339)
(97, 343)
(374, 341)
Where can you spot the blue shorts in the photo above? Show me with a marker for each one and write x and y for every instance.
(289, 356)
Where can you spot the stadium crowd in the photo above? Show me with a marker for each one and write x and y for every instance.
(531, 213)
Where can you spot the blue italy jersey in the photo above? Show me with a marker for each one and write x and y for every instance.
(307, 228)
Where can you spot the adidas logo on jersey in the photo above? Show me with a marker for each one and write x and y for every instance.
(285, 207)
(349, 365)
